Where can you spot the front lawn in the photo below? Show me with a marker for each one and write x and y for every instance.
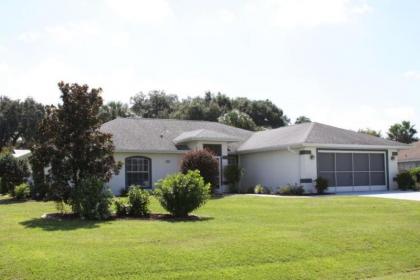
(243, 237)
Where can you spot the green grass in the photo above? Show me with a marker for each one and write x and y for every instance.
(244, 237)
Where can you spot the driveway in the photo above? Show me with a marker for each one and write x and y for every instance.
(408, 195)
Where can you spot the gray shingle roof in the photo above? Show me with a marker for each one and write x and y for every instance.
(157, 135)
(162, 135)
(204, 134)
(312, 134)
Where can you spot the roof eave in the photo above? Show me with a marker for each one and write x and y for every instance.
(269, 149)
(356, 146)
(190, 139)
(151, 151)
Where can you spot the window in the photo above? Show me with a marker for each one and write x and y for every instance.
(138, 171)
(352, 168)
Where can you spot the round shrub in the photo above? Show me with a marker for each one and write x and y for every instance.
(260, 189)
(138, 200)
(405, 180)
(91, 199)
(180, 194)
(22, 191)
(121, 208)
(205, 162)
(13, 172)
(321, 185)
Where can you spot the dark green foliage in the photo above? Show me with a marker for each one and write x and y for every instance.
(113, 110)
(121, 208)
(13, 172)
(19, 121)
(203, 161)
(138, 201)
(158, 104)
(22, 191)
(405, 180)
(71, 144)
(302, 119)
(91, 199)
(291, 190)
(371, 132)
(403, 132)
(238, 119)
(180, 194)
(321, 185)
(232, 173)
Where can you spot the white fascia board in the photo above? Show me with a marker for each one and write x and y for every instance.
(365, 147)
(150, 151)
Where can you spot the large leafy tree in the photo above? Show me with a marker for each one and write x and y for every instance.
(263, 112)
(302, 119)
(238, 119)
(71, 142)
(19, 121)
(113, 110)
(403, 132)
(371, 132)
(157, 104)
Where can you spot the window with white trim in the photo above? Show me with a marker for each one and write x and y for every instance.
(138, 171)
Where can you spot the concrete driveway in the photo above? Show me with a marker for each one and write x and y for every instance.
(407, 195)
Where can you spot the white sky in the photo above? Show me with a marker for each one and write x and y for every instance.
(353, 64)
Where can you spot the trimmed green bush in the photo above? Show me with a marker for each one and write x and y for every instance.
(121, 208)
(91, 199)
(138, 200)
(405, 180)
(291, 190)
(321, 185)
(180, 194)
(22, 191)
(12, 171)
(260, 189)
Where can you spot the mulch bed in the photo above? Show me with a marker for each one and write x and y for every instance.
(151, 217)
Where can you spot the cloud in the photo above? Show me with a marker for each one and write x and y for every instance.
(412, 75)
(306, 13)
(141, 11)
(29, 37)
(226, 16)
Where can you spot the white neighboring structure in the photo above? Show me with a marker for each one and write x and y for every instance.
(21, 154)
(150, 149)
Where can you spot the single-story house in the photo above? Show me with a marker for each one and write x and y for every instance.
(150, 149)
(409, 158)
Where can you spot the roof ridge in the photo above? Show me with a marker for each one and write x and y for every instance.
(305, 137)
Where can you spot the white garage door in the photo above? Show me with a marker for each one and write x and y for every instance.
(353, 171)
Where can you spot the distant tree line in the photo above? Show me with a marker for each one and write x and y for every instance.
(19, 119)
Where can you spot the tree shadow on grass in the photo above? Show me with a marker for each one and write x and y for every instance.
(7, 201)
(61, 225)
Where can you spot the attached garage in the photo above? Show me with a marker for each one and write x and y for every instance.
(353, 170)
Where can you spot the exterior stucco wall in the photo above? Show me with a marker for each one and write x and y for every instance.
(272, 169)
(392, 169)
(162, 165)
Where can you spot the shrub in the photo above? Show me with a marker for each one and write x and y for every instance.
(22, 191)
(138, 200)
(121, 208)
(405, 180)
(91, 199)
(203, 161)
(180, 194)
(260, 189)
(233, 174)
(13, 172)
(291, 190)
(321, 184)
